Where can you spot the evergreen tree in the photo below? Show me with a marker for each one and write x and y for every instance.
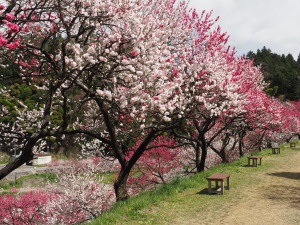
(282, 72)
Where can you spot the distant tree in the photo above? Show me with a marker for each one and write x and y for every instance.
(282, 72)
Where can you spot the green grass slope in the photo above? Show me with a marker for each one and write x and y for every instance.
(187, 195)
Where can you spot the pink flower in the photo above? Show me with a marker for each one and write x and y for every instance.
(2, 7)
(3, 41)
(13, 45)
(9, 17)
(14, 28)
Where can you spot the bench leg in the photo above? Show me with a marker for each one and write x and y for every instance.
(254, 162)
(228, 183)
(222, 187)
(209, 187)
(217, 185)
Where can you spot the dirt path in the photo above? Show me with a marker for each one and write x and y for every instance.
(274, 200)
(265, 196)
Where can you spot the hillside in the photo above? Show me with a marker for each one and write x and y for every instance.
(281, 72)
(264, 195)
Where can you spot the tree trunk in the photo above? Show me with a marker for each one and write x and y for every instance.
(120, 185)
(241, 147)
(223, 156)
(26, 156)
(23, 158)
(201, 165)
(126, 166)
(198, 157)
(241, 136)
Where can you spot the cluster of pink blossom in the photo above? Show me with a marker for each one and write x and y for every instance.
(78, 195)
(79, 192)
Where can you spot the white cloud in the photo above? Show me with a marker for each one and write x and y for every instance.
(253, 24)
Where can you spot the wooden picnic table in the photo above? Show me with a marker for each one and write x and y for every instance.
(254, 160)
(276, 150)
(218, 178)
(293, 145)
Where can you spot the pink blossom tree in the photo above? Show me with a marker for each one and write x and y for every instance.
(220, 103)
(161, 162)
(126, 59)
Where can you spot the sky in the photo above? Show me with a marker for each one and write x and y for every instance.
(253, 24)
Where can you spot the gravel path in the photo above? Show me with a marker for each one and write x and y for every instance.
(274, 200)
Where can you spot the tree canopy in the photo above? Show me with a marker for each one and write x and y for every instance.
(282, 72)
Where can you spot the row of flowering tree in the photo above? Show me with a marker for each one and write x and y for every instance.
(123, 75)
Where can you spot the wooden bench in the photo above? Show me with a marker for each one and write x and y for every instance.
(293, 145)
(275, 150)
(254, 159)
(218, 177)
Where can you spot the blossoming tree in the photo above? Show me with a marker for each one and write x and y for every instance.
(126, 58)
(122, 73)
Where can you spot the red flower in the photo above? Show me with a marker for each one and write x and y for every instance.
(14, 28)
(134, 53)
(9, 17)
(13, 45)
(3, 41)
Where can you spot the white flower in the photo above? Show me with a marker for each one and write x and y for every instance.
(108, 94)
(135, 99)
(100, 92)
(92, 61)
(125, 62)
(77, 46)
(131, 68)
(103, 59)
(73, 64)
(166, 119)
(91, 50)
(57, 57)
(67, 60)
(86, 56)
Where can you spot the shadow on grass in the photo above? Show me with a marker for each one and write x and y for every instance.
(289, 175)
(249, 165)
(203, 192)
